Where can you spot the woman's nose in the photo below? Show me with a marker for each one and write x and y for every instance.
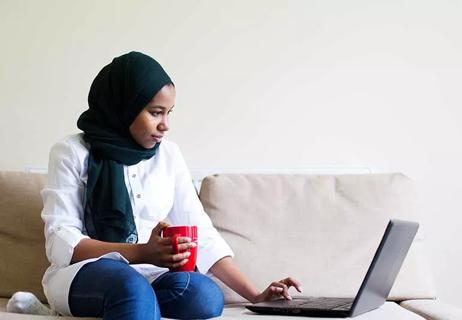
(163, 125)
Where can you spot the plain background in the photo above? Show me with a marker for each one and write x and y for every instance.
(261, 84)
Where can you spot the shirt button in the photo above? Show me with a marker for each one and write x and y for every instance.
(138, 195)
(134, 175)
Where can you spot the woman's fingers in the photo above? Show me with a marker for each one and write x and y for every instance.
(186, 246)
(159, 227)
(279, 288)
(180, 256)
(184, 239)
(165, 241)
(170, 258)
(276, 290)
(291, 282)
(184, 243)
(176, 260)
(284, 290)
(178, 264)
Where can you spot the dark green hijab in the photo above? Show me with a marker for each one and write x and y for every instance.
(118, 94)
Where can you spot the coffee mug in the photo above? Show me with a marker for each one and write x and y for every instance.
(175, 232)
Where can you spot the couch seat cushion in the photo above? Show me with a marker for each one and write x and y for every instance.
(388, 311)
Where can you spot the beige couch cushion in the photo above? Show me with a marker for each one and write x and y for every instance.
(320, 229)
(22, 242)
(433, 309)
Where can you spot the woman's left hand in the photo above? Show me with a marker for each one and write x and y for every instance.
(278, 289)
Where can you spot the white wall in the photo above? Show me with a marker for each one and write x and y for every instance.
(261, 84)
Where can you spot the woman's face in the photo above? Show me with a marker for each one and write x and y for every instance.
(150, 125)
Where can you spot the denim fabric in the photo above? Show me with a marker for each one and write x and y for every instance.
(113, 290)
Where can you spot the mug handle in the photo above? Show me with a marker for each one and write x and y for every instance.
(175, 242)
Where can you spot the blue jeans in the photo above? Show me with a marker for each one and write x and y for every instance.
(113, 290)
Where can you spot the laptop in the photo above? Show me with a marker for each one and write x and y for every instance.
(374, 289)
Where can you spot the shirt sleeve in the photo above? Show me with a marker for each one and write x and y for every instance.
(188, 210)
(62, 204)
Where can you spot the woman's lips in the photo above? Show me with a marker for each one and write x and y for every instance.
(157, 138)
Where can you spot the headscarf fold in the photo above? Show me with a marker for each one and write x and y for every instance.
(117, 95)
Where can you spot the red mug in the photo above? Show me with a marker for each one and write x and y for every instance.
(183, 231)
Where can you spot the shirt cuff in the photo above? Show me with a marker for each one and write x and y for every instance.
(63, 243)
(207, 256)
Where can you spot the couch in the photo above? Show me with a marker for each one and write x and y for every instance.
(321, 229)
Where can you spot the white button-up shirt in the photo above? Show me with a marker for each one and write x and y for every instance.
(160, 188)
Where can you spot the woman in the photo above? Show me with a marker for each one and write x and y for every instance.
(108, 193)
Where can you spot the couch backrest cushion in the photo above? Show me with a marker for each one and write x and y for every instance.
(320, 229)
(22, 242)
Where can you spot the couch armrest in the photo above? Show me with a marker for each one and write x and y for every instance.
(433, 309)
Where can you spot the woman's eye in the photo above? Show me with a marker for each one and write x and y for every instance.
(155, 113)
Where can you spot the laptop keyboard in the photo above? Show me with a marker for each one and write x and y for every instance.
(322, 303)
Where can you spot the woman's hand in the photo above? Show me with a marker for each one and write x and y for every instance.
(278, 289)
(159, 251)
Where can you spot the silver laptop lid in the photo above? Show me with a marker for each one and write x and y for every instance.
(385, 266)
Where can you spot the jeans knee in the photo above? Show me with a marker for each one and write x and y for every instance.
(134, 291)
(113, 290)
(188, 295)
(209, 296)
(134, 287)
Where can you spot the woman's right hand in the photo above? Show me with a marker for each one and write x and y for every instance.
(159, 251)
